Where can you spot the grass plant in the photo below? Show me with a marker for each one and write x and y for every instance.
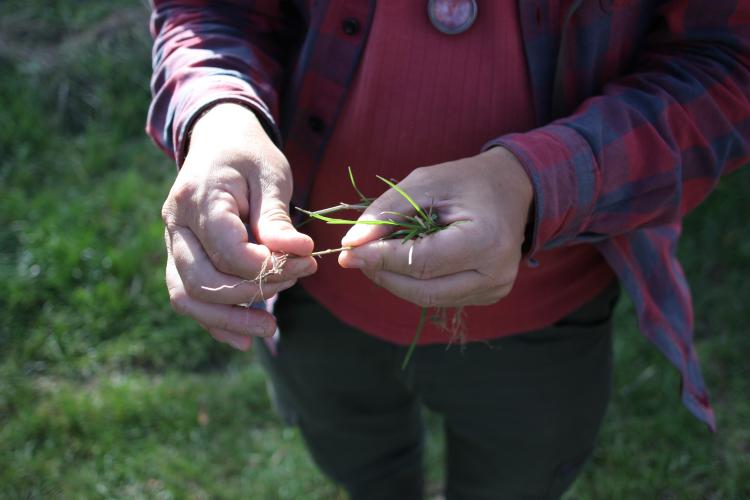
(405, 227)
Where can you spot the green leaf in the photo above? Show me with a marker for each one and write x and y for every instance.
(354, 185)
(405, 195)
(411, 235)
(332, 220)
(420, 327)
(397, 213)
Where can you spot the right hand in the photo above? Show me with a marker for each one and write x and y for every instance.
(233, 174)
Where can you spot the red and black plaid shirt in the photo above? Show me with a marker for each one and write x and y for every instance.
(641, 106)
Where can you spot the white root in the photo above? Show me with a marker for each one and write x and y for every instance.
(277, 260)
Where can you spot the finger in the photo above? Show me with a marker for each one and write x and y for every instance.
(454, 249)
(464, 288)
(240, 342)
(203, 282)
(234, 319)
(269, 218)
(222, 234)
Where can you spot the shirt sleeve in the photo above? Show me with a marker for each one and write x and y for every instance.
(210, 52)
(656, 141)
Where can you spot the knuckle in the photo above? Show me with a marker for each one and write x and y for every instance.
(278, 214)
(180, 194)
(168, 213)
(417, 172)
(192, 287)
(276, 180)
(275, 288)
(225, 322)
(266, 326)
(183, 192)
(221, 260)
(382, 263)
(375, 277)
(179, 302)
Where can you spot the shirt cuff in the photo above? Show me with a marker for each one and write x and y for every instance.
(207, 92)
(563, 172)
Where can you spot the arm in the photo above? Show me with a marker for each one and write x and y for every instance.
(655, 142)
(216, 68)
(210, 52)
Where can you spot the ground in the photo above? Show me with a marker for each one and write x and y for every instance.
(106, 393)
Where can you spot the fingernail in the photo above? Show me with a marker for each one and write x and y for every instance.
(349, 260)
(310, 270)
(236, 344)
(267, 333)
(262, 331)
(356, 233)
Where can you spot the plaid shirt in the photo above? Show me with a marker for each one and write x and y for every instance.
(641, 106)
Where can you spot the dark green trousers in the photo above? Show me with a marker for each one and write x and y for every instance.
(521, 413)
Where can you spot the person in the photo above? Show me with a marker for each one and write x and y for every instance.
(560, 142)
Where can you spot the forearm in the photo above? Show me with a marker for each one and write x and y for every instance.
(228, 127)
(210, 52)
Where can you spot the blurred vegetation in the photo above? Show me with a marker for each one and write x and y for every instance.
(104, 392)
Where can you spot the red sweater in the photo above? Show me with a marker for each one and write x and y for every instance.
(420, 98)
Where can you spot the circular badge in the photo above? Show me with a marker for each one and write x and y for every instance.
(452, 16)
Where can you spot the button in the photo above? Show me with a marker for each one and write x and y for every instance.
(350, 25)
(316, 124)
(452, 16)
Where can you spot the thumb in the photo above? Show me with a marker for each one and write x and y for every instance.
(269, 217)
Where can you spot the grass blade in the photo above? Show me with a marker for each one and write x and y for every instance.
(405, 195)
(420, 327)
(354, 185)
(404, 216)
(333, 220)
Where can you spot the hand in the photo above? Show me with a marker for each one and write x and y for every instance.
(232, 174)
(485, 202)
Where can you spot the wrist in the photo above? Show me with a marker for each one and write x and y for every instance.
(513, 173)
(228, 126)
(516, 183)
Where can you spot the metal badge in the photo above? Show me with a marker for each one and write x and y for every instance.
(452, 16)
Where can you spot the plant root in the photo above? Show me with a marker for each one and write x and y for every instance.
(273, 265)
(453, 324)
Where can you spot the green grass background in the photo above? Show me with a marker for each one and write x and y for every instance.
(105, 393)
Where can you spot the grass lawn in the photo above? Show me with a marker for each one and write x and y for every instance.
(106, 393)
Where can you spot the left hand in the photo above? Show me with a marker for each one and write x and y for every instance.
(484, 199)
